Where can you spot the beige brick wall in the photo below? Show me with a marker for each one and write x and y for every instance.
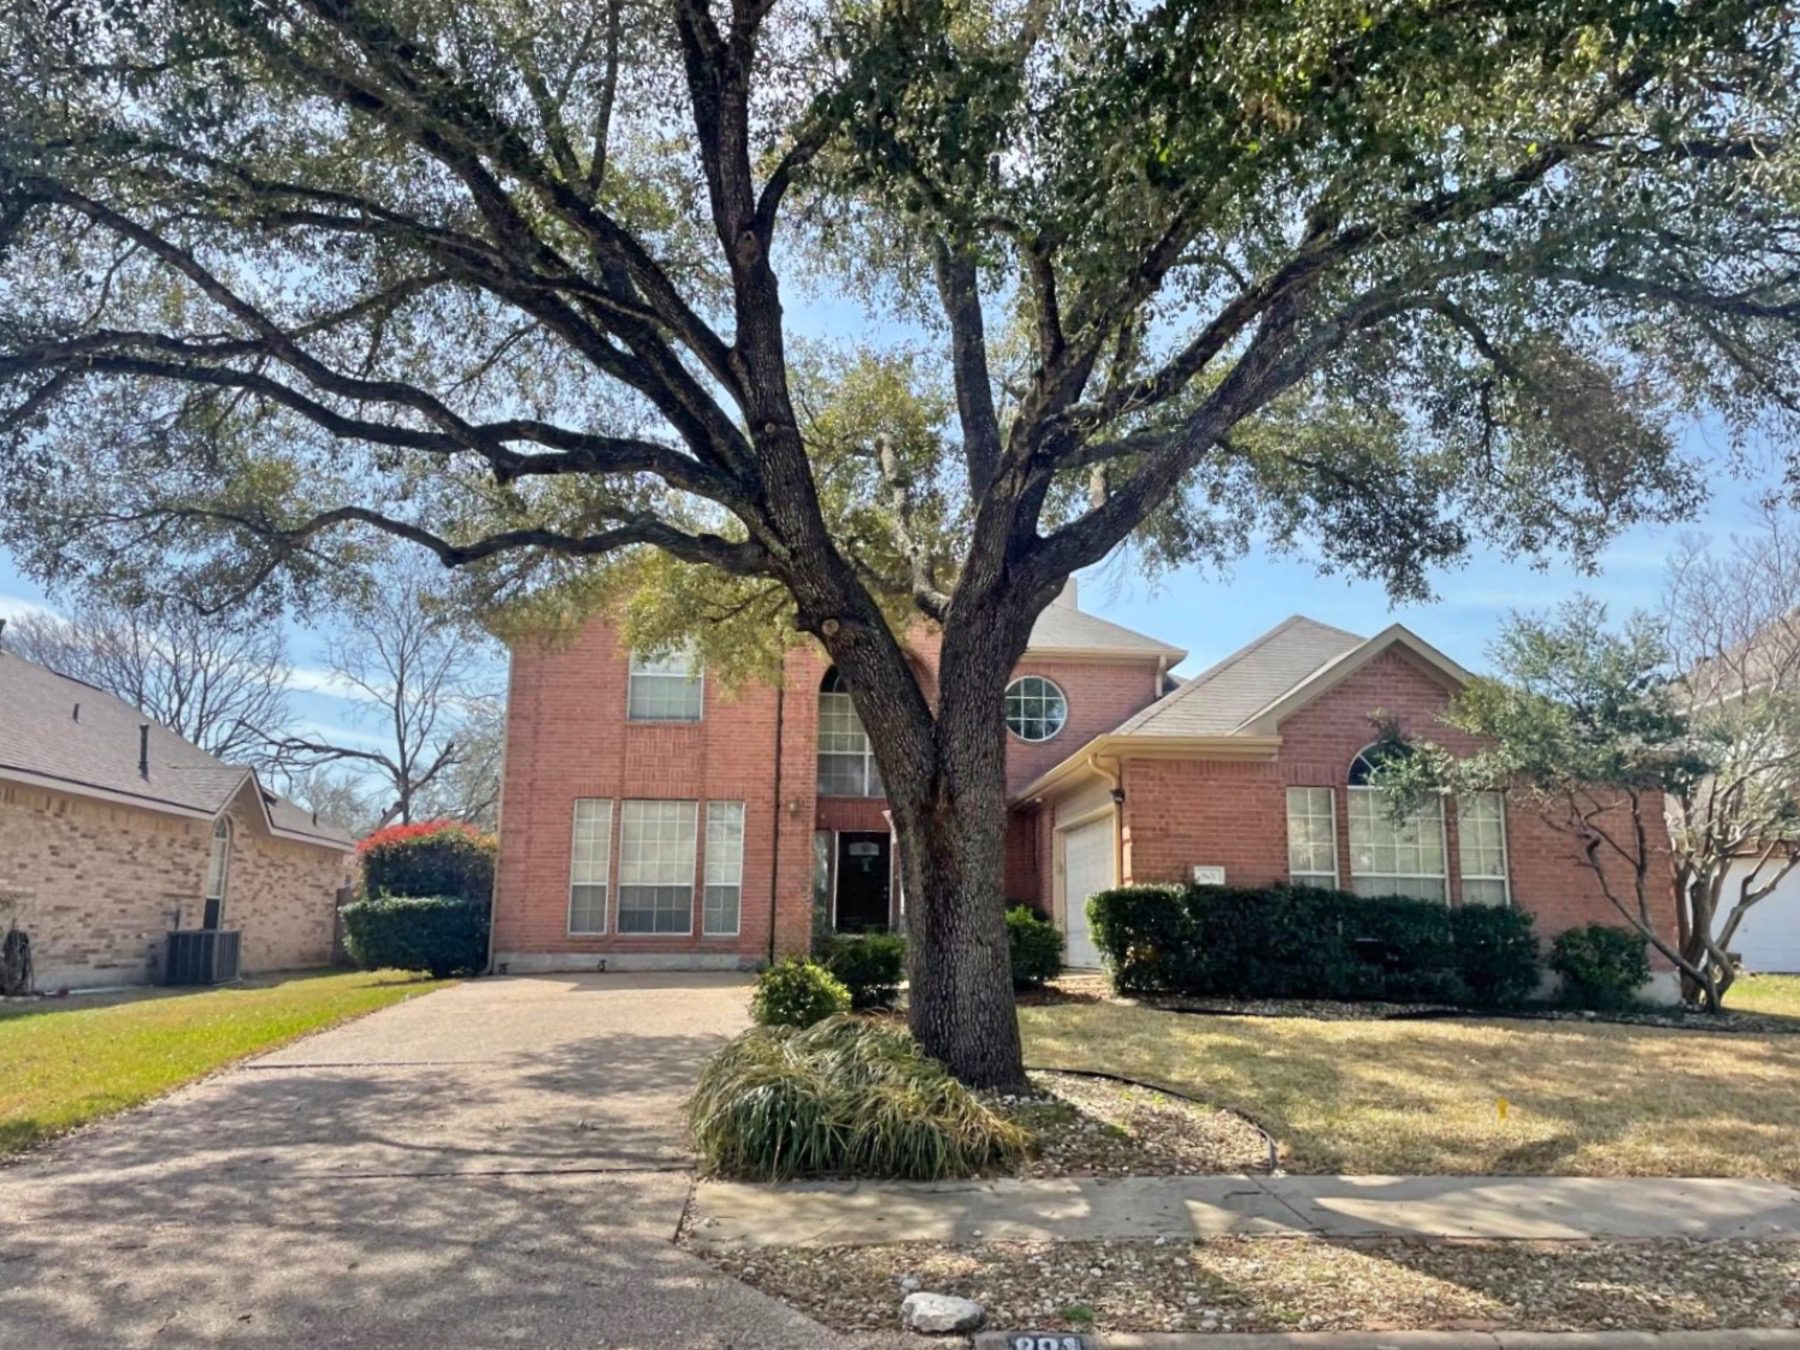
(98, 886)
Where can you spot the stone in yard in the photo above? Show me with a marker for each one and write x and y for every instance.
(941, 1314)
(911, 1284)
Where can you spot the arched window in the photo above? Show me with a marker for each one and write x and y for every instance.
(218, 872)
(1035, 708)
(846, 763)
(1389, 856)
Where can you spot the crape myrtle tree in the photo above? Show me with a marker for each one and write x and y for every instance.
(515, 283)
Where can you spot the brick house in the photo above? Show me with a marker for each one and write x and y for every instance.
(114, 830)
(649, 819)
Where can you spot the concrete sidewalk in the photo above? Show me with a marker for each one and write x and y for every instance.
(820, 1214)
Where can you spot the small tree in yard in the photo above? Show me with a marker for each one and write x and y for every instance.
(1733, 625)
(1586, 723)
(506, 281)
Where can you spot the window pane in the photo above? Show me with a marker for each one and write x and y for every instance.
(665, 689)
(1389, 857)
(590, 862)
(846, 763)
(1481, 847)
(1312, 836)
(656, 866)
(1035, 708)
(724, 867)
(218, 862)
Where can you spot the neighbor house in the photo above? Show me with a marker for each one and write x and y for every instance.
(114, 831)
(652, 819)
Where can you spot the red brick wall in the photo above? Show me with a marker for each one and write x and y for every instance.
(1100, 694)
(1182, 812)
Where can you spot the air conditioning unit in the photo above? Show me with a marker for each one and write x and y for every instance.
(202, 956)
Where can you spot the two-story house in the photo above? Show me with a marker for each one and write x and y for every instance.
(652, 820)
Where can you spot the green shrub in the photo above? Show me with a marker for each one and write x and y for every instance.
(847, 1097)
(433, 857)
(444, 934)
(1036, 946)
(1305, 942)
(1497, 951)
(797, 993)
(870, 965)
(1601, 967)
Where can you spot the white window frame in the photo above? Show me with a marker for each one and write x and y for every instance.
(1365, 808)
(1504, 875)
(636, 807)
(724, 869)
(872, 785)
(599, 851)
(1310, 813)
(677, 666)
(1042, 695)
(217, 882)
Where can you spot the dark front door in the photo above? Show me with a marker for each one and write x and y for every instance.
(862, 882)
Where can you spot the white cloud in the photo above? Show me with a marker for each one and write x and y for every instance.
(18, 607)
(327, 683)
(336, 733)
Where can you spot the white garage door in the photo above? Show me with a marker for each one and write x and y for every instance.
(1768, 940)
(1087, 867)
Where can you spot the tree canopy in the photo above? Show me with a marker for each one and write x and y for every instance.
(510, 282)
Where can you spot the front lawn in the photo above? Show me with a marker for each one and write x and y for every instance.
(1778, 994)
(66, 1062)
(1475, 1096)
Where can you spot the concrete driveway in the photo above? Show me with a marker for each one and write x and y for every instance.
(499, 1163)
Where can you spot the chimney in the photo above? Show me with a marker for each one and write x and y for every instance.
(1070, 595)
(143, 749)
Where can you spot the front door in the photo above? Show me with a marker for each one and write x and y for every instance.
(862, 881)
(1087, 868)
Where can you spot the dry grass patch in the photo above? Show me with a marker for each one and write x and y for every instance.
(1425, 1097)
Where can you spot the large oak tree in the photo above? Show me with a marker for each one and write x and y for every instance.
(506, 281)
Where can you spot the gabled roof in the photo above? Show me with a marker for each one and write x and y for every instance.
(1235, 708)
(1220, 700)
(1064, 629)
(60, 733)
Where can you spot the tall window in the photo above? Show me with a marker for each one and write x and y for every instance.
(656, 867)
(1481, 847)
(724, 868)
(218, 870)
(1035, 708)
(665, 688)
(846, 763)
(590, 863)
(1312, 836)
(1388, 856)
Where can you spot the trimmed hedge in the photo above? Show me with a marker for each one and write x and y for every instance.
(870, 965)
(1307, 942)
(433, 857)
(1602, 967)
(444, 934)
(1036, 946)
(797, 993)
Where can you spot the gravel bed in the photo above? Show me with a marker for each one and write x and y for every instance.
(1094, 1127)
(1288, 1284)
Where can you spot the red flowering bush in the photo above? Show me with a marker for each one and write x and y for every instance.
(430, 857)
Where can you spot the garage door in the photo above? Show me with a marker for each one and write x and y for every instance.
(1087, 867)
(1768, 940)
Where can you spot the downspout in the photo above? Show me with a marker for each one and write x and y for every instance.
(775, 832)
(1118, 797)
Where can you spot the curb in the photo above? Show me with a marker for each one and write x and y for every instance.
(1749, 1339)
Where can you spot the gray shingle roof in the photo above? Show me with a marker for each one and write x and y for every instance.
(97, 751)
(1064, 629)
(1219, 701)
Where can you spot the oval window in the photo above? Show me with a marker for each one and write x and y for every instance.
(1035, 708)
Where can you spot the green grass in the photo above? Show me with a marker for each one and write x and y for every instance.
(66, 1062)
(1779, 994)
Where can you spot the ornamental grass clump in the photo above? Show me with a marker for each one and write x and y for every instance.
(846, 1097)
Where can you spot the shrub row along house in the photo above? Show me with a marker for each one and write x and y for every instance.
(652, 820)
(114, 831)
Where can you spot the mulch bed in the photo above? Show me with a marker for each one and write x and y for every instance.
(1096, 1127)
(1287, 1284)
